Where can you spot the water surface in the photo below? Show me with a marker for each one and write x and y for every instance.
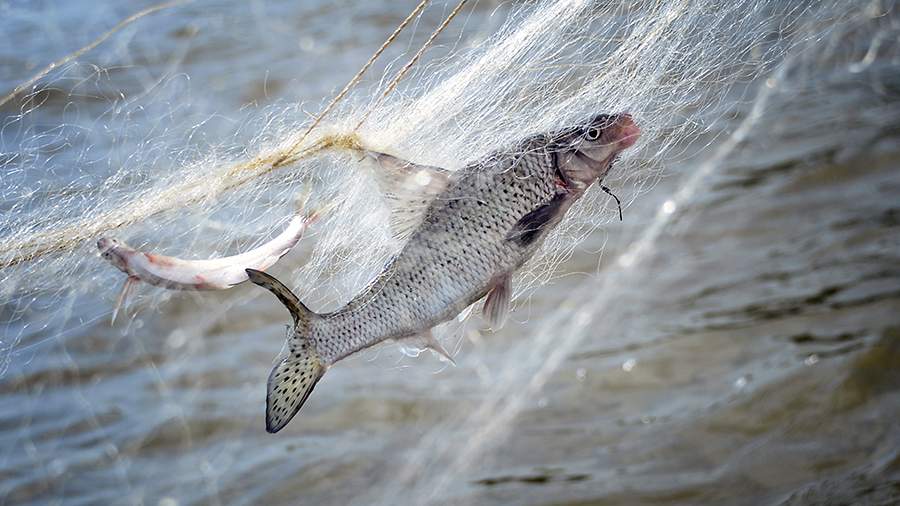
(753, 357)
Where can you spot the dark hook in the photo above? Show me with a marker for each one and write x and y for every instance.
(618, 202)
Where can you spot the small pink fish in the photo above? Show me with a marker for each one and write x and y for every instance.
(213, 274)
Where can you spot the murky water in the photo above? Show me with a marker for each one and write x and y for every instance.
(753, 357)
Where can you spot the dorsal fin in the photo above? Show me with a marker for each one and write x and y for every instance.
(299, 312)
(409, 189)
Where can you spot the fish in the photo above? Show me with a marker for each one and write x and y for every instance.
(210, 274)
(466, 233)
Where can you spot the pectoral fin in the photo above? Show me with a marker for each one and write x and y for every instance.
(496, 304)
(408, 188)
(427, 341)
(529, 228)
(127, 288)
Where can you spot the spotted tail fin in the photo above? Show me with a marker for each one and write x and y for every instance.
(293, 379)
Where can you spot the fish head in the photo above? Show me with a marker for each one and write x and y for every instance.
(587, 152)
(115, 252)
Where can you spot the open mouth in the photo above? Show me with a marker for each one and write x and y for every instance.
(627, 131)
(104, 245)
(590, 160)
(621, 135)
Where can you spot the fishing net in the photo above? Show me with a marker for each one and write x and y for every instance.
(166, 171)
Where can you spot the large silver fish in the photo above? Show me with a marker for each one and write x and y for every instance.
(468, 232)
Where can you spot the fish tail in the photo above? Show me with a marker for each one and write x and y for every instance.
(293, 378)
(314, 213)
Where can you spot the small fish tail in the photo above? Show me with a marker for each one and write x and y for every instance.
(293, 378)
(308, 212)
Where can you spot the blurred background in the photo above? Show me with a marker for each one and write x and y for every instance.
(751, 356)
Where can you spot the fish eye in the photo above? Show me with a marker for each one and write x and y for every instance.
(592, 134)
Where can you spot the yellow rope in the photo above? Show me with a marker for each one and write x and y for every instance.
(358, 77)
(140, 208)
(410, 63)
(43, 243)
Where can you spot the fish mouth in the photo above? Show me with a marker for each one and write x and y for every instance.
(621, 135)
(111, 251)
(588, 161)
(626, 131)
(105, 244)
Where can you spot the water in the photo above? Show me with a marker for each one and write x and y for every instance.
(750, 356)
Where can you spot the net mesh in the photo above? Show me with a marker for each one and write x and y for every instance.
(162, 171)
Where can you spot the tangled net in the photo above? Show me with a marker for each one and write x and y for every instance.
(678, 67)
(668, 63)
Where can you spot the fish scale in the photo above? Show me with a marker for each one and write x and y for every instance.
(451, 259)
(470, 231)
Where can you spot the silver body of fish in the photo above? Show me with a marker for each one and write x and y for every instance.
(467, 232)
(211, 274)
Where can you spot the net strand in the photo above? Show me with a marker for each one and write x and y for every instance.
(356, 78)
(415, 59)
(43, 243)
(40, 244)
(671, 64)
(96, 42)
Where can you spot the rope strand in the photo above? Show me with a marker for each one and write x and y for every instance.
(38, 244)
(355, 80)
(96, 42)
(410, 63)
